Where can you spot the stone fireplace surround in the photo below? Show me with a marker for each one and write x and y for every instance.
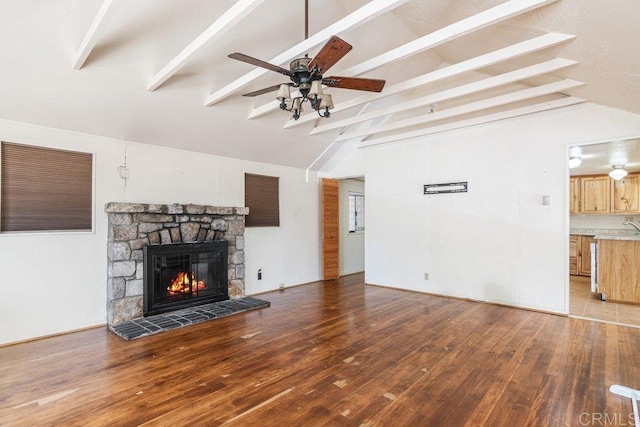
(134, 225)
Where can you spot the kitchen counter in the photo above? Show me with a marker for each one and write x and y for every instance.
(603, 231)
(628, 236)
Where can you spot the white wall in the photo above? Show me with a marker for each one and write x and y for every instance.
(56, 282)
(497, 242)
(351, 245)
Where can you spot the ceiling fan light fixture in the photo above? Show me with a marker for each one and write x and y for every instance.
(296, 107)
(284, 93)
(618, 172)
(327, 102)
(316, 89)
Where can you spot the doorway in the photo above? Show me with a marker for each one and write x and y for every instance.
(343, 226)
(592, 211)
(352, 225)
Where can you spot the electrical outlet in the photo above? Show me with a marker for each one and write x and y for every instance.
(426, 276)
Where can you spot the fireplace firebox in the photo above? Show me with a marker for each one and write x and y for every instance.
(184, 275)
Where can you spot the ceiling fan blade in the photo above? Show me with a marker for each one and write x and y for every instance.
(263, 91)
(371, 85)
(330, 53)
(259, 63)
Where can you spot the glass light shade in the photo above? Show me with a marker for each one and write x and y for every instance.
(316, 89)
(618, 173)
(574, 162)
(326, 102)
(284, 92)
(297, 105)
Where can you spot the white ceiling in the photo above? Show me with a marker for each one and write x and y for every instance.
(599, 158)
(108, 96)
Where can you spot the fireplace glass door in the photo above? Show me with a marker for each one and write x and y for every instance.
(184, 275)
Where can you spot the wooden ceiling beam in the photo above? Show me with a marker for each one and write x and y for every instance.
(456, 92)
(491, 58)
(95, 31)
(458, 29)
(484, 104)
(517, 112)
(360, 16)
(230, 18)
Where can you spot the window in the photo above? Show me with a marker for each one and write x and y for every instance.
(262, 198)
(45, 189)
(356, 212)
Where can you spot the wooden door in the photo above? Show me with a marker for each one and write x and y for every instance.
(624, 195)
(330, 235)
(594, 194)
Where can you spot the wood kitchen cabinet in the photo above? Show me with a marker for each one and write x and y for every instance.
(573, 254)
(602, 195)
(618, 269)
(574, 195)
(580, 255)
(624, 195)
(595, 194)
(585, 255)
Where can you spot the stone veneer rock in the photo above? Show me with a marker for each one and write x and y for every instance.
(134, 225)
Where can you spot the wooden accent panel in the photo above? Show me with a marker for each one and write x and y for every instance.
(574, 195)
(595, 194)
(262, 197)
(45, 189)
(619, 270)
(330, 233)
(625, 194)
(339, 353)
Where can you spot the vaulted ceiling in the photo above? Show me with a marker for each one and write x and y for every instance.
(157, 71)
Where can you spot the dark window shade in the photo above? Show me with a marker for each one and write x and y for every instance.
(262, 198)
(45, 189)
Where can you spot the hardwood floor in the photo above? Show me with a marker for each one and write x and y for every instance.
(335, 353)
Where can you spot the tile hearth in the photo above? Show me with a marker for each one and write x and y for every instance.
(141, 327)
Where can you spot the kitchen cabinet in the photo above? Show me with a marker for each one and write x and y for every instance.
(624, 195)
(573, 254)
(602, 195)
(574, 195)
(618, 268)
(580, 255)
(585, 255)
(595, 194)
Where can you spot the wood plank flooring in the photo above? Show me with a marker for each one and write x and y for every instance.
(334, 353)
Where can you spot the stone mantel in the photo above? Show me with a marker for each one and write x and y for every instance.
(134, 225)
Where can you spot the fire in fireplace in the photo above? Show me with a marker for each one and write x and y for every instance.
(184, 275)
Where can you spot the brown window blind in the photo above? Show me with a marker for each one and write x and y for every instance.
(45, 189)
(262, 198)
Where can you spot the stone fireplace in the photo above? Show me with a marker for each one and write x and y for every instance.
(134, 226)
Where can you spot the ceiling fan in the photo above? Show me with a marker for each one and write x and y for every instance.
(306, 75)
